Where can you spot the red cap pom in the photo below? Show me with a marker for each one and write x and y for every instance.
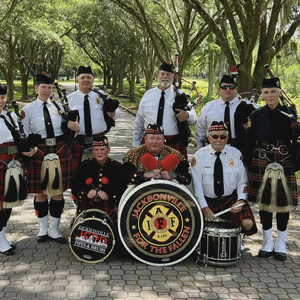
(104, 180)
(169, 162)
(149, 161)
(89, 181)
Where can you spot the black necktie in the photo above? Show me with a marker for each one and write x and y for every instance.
(218, 176)
(227, 118)
(87, 116)
(160, 109)
(48, 122)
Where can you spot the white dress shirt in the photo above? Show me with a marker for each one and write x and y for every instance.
(147, 113)
(76, 101)
(33, 118)
(234, 173)
(6, 136)
(214, 111)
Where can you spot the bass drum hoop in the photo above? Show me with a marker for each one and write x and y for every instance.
(80, 220)
(131, 190)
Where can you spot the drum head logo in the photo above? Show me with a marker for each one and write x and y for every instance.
(92, 238)
(160, 224)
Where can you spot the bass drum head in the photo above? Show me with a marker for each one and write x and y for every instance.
(160, 222)
(92, 238)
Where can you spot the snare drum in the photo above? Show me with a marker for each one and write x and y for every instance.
(220, 244)
(159, 222)
(92, 238)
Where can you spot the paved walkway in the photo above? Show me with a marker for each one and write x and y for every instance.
(51, 271)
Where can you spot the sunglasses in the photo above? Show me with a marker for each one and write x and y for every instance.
(225, 87)
(222, 136)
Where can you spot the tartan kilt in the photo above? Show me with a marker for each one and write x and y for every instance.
(258, 167)
(246, 213)
(4, 157)
(77, 151)
(33, 168)
(111, 210)
(174, 142)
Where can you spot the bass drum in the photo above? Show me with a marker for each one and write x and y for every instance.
(159, 222)
(92, 238)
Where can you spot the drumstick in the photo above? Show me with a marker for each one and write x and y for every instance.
(227, 210)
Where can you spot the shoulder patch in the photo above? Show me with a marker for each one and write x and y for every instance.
(249, 123)
(22, 114)
(193, 162)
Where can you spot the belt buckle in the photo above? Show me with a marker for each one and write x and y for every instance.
(50, 141)
(12, 149)
(88, 140)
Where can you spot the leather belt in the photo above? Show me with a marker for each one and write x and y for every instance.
(52, 141)
(9, 150)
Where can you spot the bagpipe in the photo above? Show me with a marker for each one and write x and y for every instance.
(182, 101)
(109, 105)
(66, 114)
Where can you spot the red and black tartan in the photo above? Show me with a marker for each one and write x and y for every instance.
(246, 213)
(33, 168)
(174, 142)
(112, 211)
(77, 151)
(258, 169)
(4, 157)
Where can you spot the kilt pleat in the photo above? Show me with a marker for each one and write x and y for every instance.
(258, 167)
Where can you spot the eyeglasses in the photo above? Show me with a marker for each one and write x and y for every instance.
(222, 136)
(225, 87)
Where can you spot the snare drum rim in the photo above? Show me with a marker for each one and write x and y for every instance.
(92, 261)
(132, 191)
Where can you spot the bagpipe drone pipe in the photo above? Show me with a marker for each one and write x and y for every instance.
(109, 105)
(182, 102)
(67, 115)
(23, 143)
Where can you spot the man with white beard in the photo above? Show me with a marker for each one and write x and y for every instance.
(157, 107)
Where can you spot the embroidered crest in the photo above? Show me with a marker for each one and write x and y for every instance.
(98, 101)
(193, 162)
(230, 162)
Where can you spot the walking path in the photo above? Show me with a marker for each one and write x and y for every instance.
(51, 271)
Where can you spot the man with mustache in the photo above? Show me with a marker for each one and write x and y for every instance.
(136, 170)
(215, 193)
(162, 97)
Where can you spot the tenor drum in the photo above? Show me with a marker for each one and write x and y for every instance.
(159, 222)
(220, 244)
(92, 238)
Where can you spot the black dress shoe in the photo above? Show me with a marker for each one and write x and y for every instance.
(42, 238)
(13, 246)
(280, 256)
(59, 240)
(8, 252)
(264, 254)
